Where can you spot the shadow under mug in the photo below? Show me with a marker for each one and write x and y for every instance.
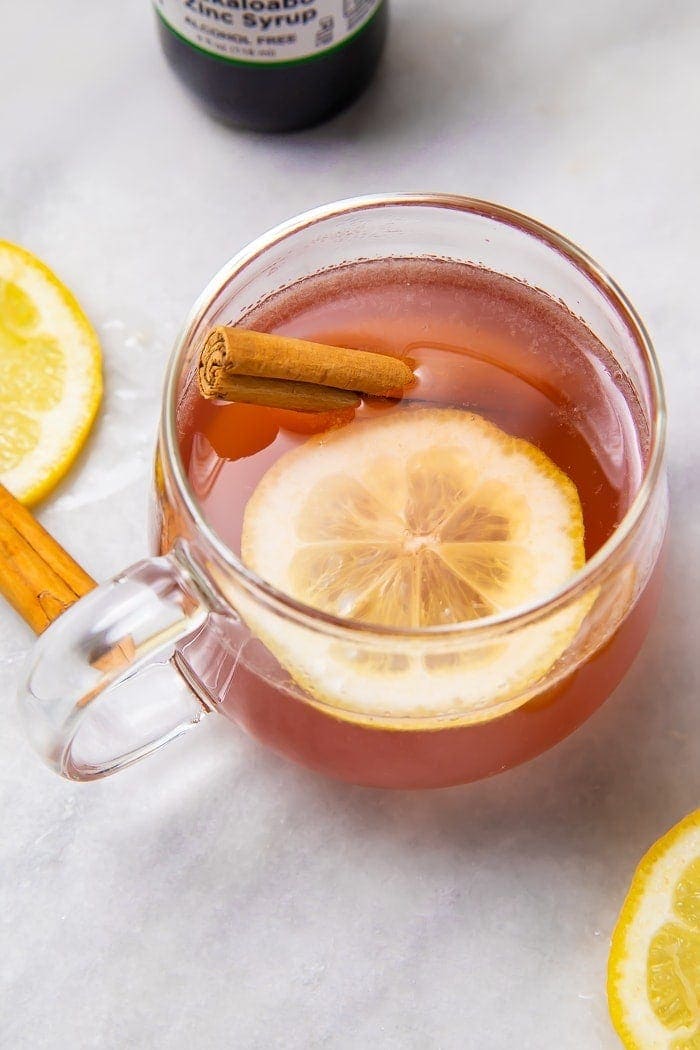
(143, 657)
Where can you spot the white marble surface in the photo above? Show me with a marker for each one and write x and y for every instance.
(217, 896)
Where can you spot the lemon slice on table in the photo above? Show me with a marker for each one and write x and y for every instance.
(654, 968)
(50, 375)
(422, 517)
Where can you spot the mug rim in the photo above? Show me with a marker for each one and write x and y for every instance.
(511, 619)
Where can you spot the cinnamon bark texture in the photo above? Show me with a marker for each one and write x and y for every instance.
(259, 368)
(40, 580)
(284, 393)
(37, 577)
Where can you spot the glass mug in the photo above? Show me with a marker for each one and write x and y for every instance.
(144, 657)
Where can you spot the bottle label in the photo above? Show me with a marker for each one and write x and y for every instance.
(265, 31)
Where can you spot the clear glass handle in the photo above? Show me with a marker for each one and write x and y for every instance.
(102, 689)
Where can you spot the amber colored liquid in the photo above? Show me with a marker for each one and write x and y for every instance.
(480, 341)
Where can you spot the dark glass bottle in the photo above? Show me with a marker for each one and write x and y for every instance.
(273, 65)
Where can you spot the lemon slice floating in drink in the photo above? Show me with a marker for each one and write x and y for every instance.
(50, 375)
(654, 968)
(424, 517)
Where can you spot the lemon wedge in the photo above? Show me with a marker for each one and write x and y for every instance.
(424, 517)
(50, 375)
(654, 967)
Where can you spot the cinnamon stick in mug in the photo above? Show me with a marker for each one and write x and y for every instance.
(283, 393)
(239, 365)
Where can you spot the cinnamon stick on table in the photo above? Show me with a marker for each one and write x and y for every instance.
(37, 576)
(41, 580)
(258, 368)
